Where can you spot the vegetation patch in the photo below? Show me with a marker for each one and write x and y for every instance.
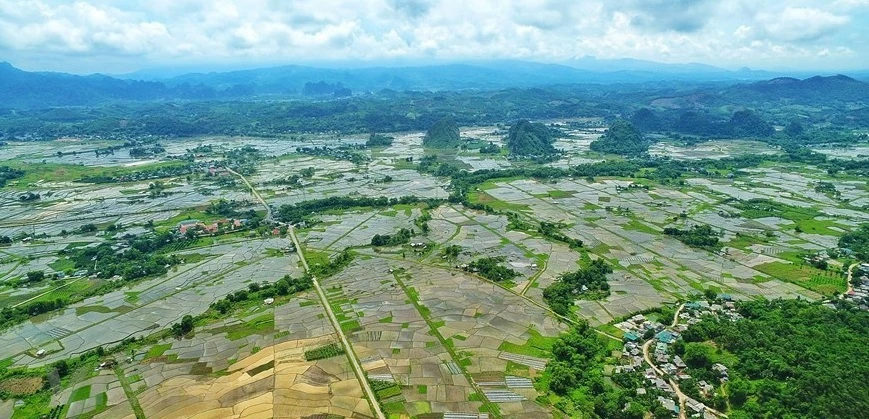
(765, 379)
(323, 352)
(81, 393)
(257, 326)
(260, 368)
(589, 283)
(91, 309)
(805, 276)
(158, 350)
(700, 236)
(490, 268)
(384, 389)
(537, 345)
(20, 386)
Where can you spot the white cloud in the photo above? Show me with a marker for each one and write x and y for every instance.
(742, 32)
(798, 24)
(169, 32)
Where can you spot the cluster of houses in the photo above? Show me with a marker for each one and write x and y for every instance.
(670, 369)
(860, 293)
(695, 310)
(637, 326)
(200, 228)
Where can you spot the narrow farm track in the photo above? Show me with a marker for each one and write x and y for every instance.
(351, 355)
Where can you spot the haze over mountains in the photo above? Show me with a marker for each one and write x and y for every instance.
(22, 89)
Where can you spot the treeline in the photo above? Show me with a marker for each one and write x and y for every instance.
(662, 170)
(387, 111)
(334, 265)
(491, 269)
(701, 236)
(576, 374)
(552, 231)
(403, 236)
(588, 283)
(306, 211)
(131, 259)
(165, 171)
(694, 126)
(795, 359)
(743, 123)
(8, 173)
(857, 242)
(260, 291)
(10, 316)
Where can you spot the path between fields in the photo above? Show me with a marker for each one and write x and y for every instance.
(255, 195)
(850, 275)
(47, 292)
(357, 368)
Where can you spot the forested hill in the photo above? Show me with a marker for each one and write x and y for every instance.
(26, 90)
(38, 90)
(817, 88)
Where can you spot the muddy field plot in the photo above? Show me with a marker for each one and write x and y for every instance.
(432, 331)
(147, 306)
(395, 343)
(276, 381)
(653, 267)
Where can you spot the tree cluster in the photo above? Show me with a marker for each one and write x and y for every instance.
(589, 282)
(491, 269)
(857, 241)
(307, 210)
(379, 140)
(576, 374)
(383, 240)
(702, 236)
(257, 292)
(795, 359)
(8, 173)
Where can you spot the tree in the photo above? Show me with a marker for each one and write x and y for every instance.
(35, 276)
(223, 306)
(794, 129)
(738, 391)
(184, 327)
(719, 401)
(562, 378)
(62, 368)
(710, 294)
(697, 355)
(307, 172)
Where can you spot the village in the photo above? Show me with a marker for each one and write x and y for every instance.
(649, 350)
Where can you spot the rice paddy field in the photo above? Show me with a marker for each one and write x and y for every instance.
(431, 338)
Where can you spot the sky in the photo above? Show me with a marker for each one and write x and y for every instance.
(118, 36)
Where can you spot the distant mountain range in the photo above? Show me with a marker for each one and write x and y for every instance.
(21, 89)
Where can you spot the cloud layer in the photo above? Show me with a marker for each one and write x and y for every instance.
(123, 35)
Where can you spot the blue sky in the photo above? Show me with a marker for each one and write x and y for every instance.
(123, 35)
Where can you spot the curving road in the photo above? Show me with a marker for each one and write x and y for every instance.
(679, 394)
